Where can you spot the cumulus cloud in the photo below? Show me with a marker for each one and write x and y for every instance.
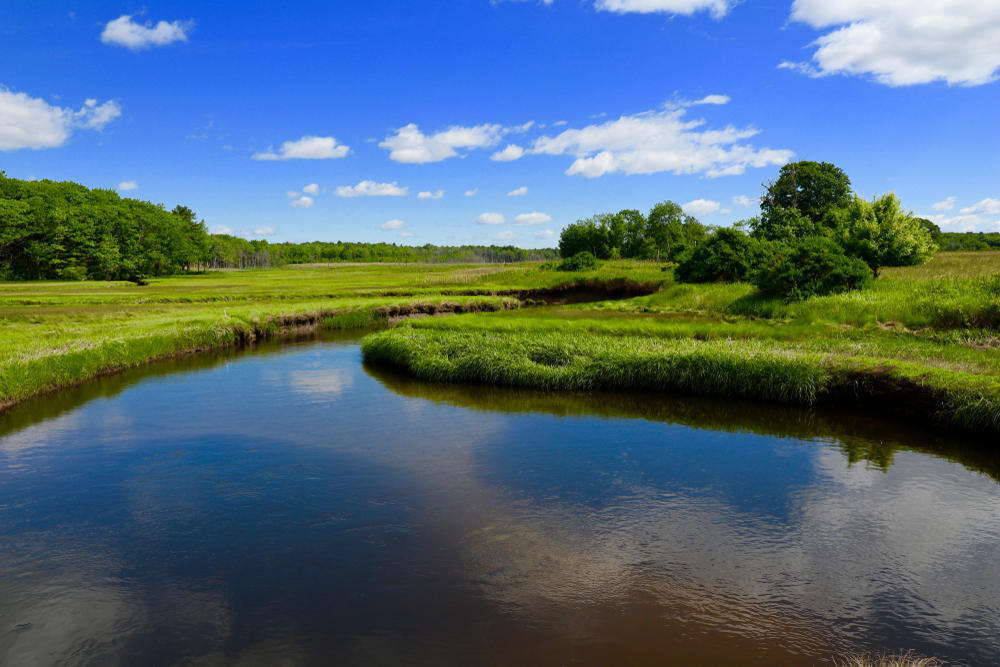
(701, 207)
(987, 206)
(123, 31)
(512, 152)
(430, 195)
(718, 8)
(959, 223)
(311, 189)
(412, 146)
(945, 205)
(507, 235)
(492, 219)
(301, 202)
(904, 42)
(291, 194)
(520, 192)
(743, 200)
(471, 193)
(128, 185)
(306, 148)
(29, 122)
(372, 189)
(392, 224)
(221, 229)
(407, 234)
(545, 234)
(656, 141)
(532, 219)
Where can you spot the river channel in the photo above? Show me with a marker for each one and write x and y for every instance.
(288, 505)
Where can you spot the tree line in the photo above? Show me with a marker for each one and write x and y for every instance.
(62, 230)
(814, 236)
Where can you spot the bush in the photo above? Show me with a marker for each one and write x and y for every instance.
(729, 256)
(813, 267)
(581, 261)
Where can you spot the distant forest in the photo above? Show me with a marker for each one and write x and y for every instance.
(51, 230)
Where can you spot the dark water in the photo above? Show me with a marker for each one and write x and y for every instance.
(288, 506)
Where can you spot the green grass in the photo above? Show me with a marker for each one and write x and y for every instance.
(927, 332)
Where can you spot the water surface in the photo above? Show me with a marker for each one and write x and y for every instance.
(289, 506)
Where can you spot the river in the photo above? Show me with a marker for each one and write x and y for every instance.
(287, 505)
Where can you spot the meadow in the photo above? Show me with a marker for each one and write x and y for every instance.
(923, 339)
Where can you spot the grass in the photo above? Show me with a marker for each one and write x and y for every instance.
(928, 335)
(907, 659)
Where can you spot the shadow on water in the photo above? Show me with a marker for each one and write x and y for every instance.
(863, 437)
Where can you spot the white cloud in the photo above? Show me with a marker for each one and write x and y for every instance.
(430, 195)
(743, 200)
(945, 205)
(532, 219)
(656, 141)
(520, 192)
(128, 185)
(412, 146)
(987, 206)
(372, 189)
(492, 219)
(512, 152)
(221, 229)
(960, 223)
(701, 207)
(28, 122)
(507, 235)
(718, 8)
(292, 194)
(259, 231)
(306, 148)
(904, 42)
(392, 224)
(545, 234)
(407, 234)
(561, 122)
(471, 193)
(311, 189)
(123, 31)
(301, 202)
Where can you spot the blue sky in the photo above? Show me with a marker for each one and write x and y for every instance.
(326, 121)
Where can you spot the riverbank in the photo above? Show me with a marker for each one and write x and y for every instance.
(927, 349)
(57, 334)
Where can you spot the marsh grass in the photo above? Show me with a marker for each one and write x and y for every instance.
(951, 265)
(907, 659)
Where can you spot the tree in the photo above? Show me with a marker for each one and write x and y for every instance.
(813, 266)
(812, 188)
(670, 231)
(729, 255)
(882, 234)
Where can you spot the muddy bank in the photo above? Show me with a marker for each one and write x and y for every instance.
(590, 291)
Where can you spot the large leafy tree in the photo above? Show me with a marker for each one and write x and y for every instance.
(811, 188)
(882, 234)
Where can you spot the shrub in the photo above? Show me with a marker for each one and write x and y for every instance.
(813, 267)
(882, 234)
(729, 255)
(581, 261)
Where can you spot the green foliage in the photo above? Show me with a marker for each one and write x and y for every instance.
(812, 188)
(729, 255)
(663, 235)
(581, 261)
(785, 224)
(64, 230)
(813, 266)
(882, 234)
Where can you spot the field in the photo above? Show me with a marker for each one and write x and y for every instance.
(922, 339)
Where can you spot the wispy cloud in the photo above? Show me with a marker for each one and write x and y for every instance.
(372, 189)
(430, 195)
(128, 185)
(471, 193)
(987, 206)
(520, 192)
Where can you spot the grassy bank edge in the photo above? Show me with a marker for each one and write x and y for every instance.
(738, 369)
(49, 373)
